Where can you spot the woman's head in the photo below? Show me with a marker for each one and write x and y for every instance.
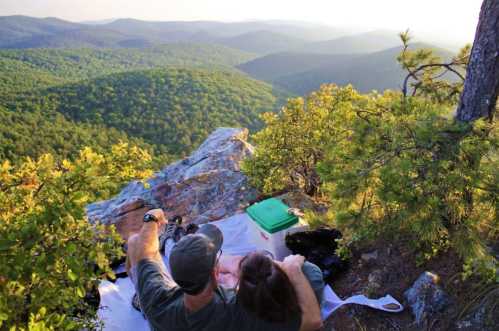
(265, 289)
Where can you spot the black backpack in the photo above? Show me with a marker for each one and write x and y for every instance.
(318, 247)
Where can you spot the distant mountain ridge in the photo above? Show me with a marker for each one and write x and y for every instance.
(263, 42)
(362, 43)
(259, 37)
(14, 29)
(30, 32)
(302, 73)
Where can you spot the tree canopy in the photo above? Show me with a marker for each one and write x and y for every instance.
(172, 109)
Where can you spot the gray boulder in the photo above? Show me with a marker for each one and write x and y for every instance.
(204, 187)
(426, 297)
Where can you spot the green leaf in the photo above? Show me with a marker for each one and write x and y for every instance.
(72, 276)
(80, 292)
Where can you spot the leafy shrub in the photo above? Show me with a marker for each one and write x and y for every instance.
(388, 165)
(293, 141)
(50, 255)
(409, 168)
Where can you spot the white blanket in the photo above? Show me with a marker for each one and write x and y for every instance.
(118, 315)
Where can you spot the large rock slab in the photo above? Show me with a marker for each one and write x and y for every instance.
(204, 187)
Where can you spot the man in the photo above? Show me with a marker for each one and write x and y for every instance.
(189, 297)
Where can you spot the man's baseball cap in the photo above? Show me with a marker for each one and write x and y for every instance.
(193, 258)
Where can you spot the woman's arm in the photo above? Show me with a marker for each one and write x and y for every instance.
(311, 313)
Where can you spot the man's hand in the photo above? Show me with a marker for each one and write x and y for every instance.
(159, 215)
(145, 245)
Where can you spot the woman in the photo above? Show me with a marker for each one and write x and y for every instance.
(264, 288)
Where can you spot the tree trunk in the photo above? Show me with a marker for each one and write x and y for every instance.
(481, 86)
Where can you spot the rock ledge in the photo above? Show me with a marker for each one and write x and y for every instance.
(204, 187)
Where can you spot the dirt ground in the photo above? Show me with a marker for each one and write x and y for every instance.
(392, 272)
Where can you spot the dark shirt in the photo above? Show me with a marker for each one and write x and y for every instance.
(162, 302)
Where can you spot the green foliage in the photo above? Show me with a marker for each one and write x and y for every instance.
(174, 109)
(35, 133)
(36, 85)
(23, 70)
(293, 141)
(407, 168)
(51, 256)
(17, 76)
(389, 166)
(427, 72)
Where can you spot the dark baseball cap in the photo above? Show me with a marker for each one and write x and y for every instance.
(193, 258)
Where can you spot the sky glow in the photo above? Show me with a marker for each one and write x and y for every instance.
(450, 19)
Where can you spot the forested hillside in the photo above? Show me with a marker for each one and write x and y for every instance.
(22, 70)
(32, 134)
(174, 109)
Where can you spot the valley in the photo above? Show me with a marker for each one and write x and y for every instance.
(168, 84)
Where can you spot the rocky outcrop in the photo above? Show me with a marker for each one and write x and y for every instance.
(204, 187)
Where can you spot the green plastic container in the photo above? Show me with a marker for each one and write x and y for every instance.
(272, 215)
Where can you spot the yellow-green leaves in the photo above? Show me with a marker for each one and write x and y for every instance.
(388, 165)
(293, 141)
(50, 256)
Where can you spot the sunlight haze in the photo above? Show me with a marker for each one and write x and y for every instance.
(449, 19)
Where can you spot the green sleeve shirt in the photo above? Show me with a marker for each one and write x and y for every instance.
(161, 301)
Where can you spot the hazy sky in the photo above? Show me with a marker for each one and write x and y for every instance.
(454, 19)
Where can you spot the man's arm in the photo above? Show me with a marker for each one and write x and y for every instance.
(152, 281)
(145, 245)
(311, 313)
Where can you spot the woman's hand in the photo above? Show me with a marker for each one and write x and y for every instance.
(311, 313)
(292, 264)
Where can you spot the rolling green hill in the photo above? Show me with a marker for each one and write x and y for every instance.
(23, 70)
(173, 109)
